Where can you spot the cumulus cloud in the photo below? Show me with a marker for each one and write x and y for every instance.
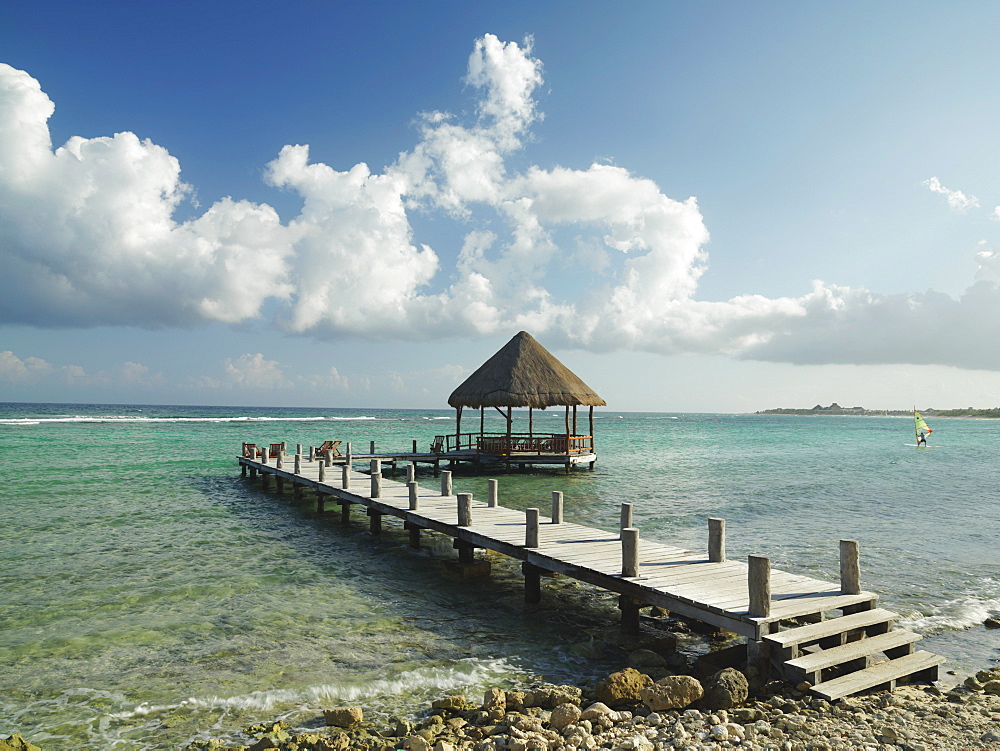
(956, 199)
(88, 236)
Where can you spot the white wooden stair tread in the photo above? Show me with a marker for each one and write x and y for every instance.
(854, 650)
(876, 675)
(831, 627)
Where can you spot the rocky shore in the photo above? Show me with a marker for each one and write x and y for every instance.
(630, 710)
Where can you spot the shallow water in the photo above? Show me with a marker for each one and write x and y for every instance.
(152, 596)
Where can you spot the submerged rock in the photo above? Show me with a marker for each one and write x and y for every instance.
(16, 742)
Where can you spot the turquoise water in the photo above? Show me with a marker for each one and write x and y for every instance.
(152, 596)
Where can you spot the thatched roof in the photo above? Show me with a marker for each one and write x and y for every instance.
(523, 374)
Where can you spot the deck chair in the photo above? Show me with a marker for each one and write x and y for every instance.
(438, 444)
(328, 446)
(277, 449)
(250, 451)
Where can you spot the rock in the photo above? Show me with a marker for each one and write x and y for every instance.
(673, 692)
(16, 742)
(443, 746)
(343, 717)
(495, 699)
(747, 715)
(563, 715)
(263, 744)
(589, 650)
(990, 736)
(455, 703)
(595, 711)
(992, 687)
(552, 696)
(516, 700)
(973, 684)
(645, 658)
(992, 622)
(622, 687)
(726, 689)
(416, 743)
(400, 727)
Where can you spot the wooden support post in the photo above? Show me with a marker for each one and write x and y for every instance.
(532, 583)
(414, 445)
(280, 463)
(243, 470)
(850, 567)
(466, 552)
(446, 482)
(279, 483)
(312, 453)
(630, 614)
(321, 502)
(414, 531)
(412, 489)
(298, 448)
(345, 512)
(465, 509)
(372, 448)
(263, 455)
(411, 472)
(298, 464)
(329, 458)
(491, 499)
(376, 472)
(265, 480)
(716, 540)
(350, 454)
(626, 517)
(296, 491)
(630, 552)
(322, 472)
(374, 521)
(253, 473)
(759, 586)
(531, 528)
(557, 507)
(345, 477)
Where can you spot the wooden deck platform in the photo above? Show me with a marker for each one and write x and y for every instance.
(691, 584)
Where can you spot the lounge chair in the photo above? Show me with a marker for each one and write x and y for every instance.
(328, 446)
(250, 451)
(277, 449)
(438, 445)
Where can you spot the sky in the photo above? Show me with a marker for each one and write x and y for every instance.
(697, 207)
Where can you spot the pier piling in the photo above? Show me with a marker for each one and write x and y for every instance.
(716, 540)
(759, 585)
(850, 567)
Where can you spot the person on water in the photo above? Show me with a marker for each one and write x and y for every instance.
(922, 439)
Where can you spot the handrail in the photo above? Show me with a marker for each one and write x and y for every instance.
(516, 443)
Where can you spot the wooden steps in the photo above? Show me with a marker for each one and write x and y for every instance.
(922, 665)
(849, 654)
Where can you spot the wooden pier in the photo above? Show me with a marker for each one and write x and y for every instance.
(831, 635)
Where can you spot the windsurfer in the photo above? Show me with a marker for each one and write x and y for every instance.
(922, 439)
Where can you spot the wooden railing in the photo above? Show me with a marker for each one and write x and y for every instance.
(516, 443)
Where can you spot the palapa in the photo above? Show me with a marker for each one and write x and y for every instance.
(524, 374)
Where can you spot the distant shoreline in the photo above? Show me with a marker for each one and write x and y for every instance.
(836, 409)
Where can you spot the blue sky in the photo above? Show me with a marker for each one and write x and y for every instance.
(711, 206)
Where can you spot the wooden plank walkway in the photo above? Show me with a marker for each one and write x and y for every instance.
(682, 581)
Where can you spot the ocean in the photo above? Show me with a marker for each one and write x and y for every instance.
(152, 596)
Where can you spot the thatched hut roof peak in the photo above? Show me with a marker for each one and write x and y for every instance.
(524, 374)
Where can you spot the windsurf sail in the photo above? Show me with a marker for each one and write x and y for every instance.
(920, 428)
